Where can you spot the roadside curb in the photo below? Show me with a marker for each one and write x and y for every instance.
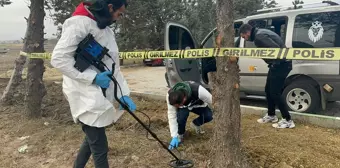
(318, 120)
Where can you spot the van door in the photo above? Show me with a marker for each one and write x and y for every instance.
(178, 37)
(208, 64)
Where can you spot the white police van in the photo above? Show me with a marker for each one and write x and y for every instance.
(310, 84)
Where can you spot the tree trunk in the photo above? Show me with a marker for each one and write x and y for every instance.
(15, 80)
(226, 141)
(35, 70)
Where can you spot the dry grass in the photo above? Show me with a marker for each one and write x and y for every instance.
(56, 145)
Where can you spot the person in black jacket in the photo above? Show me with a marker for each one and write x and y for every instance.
(278, 72)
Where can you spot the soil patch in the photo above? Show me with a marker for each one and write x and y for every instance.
(54, 139)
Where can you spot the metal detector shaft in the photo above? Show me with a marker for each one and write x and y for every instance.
(140, 122)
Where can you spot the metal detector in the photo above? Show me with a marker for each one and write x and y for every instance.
(90, 52)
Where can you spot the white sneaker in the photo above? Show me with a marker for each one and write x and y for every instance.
(267, 119)
(284, 124)
(197, 129)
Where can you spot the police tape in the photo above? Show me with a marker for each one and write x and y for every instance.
(324, 54)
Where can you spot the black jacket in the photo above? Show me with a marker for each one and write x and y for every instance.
(194, 99)
(264, 38)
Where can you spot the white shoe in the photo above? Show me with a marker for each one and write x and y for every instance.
(267, 119)
(197, 129)
(284, 124)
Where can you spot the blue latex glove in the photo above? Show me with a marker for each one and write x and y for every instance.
(128, 101)
(174, 143)
(103, 80)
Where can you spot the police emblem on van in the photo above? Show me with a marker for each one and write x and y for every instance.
(315, 32)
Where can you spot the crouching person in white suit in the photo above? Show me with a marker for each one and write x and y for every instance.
(181, 99)
(83, 90)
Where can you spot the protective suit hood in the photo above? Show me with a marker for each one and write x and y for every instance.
(97, 11)
(82, 11)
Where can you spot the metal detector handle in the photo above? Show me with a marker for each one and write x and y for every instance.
(174, 163)
(115, 82)
(139, 121)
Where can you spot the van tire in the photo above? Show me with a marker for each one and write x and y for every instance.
(301, 87)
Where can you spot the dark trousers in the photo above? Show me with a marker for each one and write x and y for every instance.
(274, 88)
(95, 143)
(205, 115)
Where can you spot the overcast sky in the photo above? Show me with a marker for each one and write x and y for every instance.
(13, 24)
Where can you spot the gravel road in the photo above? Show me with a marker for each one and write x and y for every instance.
(146, 79)
(151, 80)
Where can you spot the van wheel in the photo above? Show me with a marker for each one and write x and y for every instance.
(302, 96)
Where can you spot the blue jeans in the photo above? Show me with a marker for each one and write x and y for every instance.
(205, 116)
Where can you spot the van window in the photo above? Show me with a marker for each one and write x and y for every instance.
(237, 26)
(317, 30)
(210, 43)
(277, 25)
(179, 38)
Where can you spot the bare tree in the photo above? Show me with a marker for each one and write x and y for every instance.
(34, 42)
(16, 77)
(226, 141)
(270, 4)
(297, 4)
(15, 81)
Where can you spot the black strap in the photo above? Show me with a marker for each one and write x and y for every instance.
(104, 91)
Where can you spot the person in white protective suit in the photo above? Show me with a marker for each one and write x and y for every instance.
(183, 98)
(83, 90)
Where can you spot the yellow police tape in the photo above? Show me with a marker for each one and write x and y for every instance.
(325, 54)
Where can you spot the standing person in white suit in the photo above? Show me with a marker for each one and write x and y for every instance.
(83, 90)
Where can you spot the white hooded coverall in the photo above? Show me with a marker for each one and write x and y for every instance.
(85, 98)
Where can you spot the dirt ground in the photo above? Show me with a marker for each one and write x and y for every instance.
(146, 79)
(54, 140)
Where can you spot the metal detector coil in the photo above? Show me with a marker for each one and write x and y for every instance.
(181, 163)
